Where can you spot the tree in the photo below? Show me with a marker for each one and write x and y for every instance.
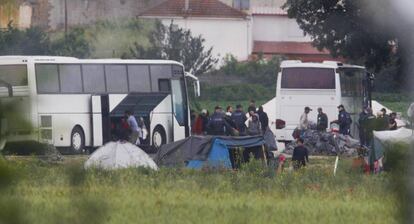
(341, 27)
(34, 41)
(174, 43)
(73, 44)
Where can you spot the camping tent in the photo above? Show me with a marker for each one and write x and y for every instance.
(115, 155)
(199, 151)
(381, 138)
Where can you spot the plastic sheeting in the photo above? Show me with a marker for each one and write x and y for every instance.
(381, 138)
(118, 155)
(198, 148)
(326, 143)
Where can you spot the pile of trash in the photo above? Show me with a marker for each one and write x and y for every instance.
(326, 143)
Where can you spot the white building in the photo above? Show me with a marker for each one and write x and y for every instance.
(224, 28)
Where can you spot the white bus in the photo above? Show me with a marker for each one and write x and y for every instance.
(75, 103)
(324, 85)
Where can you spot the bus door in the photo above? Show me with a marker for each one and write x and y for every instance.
(180, 112)
(101, 125)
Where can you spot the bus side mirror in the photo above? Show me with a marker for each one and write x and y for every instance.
(197, 88)
(196, 83)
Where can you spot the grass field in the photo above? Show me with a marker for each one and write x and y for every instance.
(36, 192)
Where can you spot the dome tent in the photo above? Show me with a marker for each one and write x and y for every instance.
(204, 151)
(118, 155)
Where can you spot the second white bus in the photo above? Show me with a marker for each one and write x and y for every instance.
(324, 85)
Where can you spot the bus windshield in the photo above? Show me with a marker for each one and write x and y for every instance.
(351, 81)
(15, 75)
(308, 78)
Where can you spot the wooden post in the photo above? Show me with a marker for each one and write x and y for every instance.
(264, 154)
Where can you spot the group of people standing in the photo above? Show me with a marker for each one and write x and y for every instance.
(132, 130)
(231, 122)
(344, 120)
(368, 123)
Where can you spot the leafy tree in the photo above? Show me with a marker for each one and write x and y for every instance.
(174, 43)
(32, 41)
(363, 31)
(341, 27)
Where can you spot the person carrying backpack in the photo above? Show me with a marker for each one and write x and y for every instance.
(344, 121)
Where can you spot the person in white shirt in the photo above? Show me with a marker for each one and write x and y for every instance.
(304, 122)
(135, 130)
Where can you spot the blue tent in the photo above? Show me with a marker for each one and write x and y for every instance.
(218, 157)
(203, 151)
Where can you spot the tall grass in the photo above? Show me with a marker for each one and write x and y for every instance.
(66, 193)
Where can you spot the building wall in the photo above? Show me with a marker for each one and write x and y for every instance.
(19, 13)
(226, 36)
(277, 28)
(89, 11)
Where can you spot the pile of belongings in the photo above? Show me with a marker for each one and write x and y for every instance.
(119, 155)
(326, 143)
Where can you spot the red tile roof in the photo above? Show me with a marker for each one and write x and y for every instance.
(197, 8)
(286, 47)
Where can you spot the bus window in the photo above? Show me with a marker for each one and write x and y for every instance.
(139, 78)
(308, 78)
(93, 78)
(15, 75)
(351, 81)
(47, 78)
(178, 101)
(116, 78)
(159, 72)
(164, 85)
(70, 79)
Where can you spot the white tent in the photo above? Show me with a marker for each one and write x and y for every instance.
(381, 138)
(117, 155)
(399, 135)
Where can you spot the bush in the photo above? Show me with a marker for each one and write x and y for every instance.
(257, 71)
(237, 92)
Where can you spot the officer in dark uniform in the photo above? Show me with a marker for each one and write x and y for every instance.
(322, 124)
(344, 121)
(217, 124)
(239, 118)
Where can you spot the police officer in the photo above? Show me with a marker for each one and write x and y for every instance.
(239, 118)
(216, 124)
(344, 121)
(322, 124)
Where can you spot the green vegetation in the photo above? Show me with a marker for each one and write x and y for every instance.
(398, 102)
(209, 105)
(380, 46)
(112, 39)
(236, 92)
(178, 44)
(65, 193)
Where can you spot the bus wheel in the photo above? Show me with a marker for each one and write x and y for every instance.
(158, 137)
(77, 140)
